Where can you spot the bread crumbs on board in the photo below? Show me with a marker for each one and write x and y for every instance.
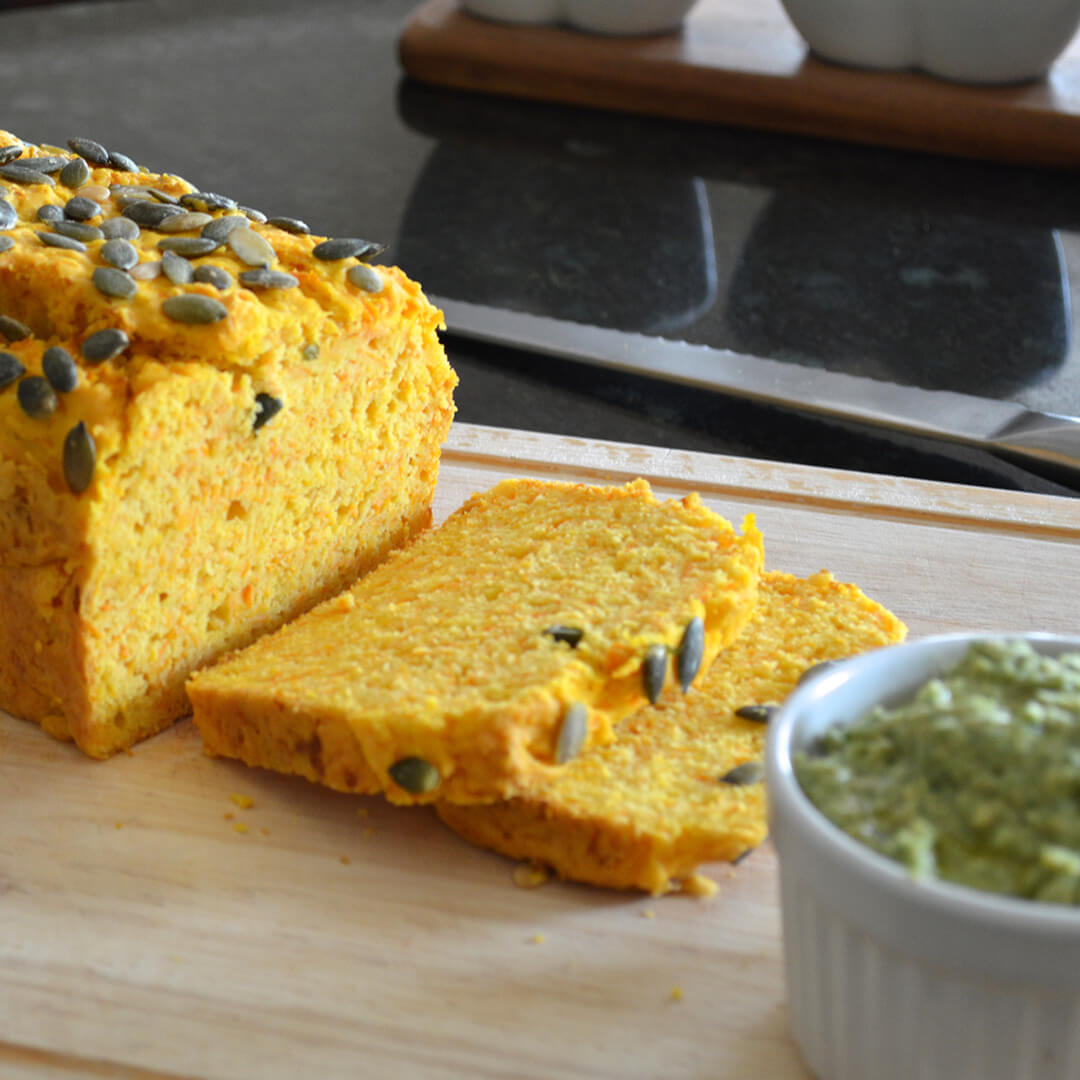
(245, 802)
(531, 875)
(699, 885)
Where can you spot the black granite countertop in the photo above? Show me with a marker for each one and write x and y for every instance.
(947, 274)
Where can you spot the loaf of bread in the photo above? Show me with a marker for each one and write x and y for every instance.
(682, 784)
(492, 649)
(209, 422)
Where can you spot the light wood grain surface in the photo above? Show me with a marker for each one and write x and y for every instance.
(142, 936)
(741, 62)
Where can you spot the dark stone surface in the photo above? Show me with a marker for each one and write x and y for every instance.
(942, 273)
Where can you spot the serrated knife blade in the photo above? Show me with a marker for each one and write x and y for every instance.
(1043, 442)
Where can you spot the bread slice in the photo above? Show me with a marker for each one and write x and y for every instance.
(177, 480)
(454, 670)
(650, 808)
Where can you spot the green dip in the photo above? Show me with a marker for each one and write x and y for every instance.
(976, 780)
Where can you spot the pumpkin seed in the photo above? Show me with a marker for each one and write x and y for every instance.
(50, 212)
(219, 228)
(78, 230)
(150, 214)
(115, 283)
(252, 248)
(311, 351)
(188, 245)
(75, 173)
(121, 162)
(654, 671)
(814, 670)
(415, 775)
(8, 217)
(134, 192)
(20, 173)
(220, 278)
(54, 239)
(346, 248)
(255, 215)
(207, 201)
(177, 269)
(120, 228)
(146, 271)
(46, 163)
(758, 714)
(184, 222)
(80, 456)
(80, 208)
(11, 368)
(289, 225)
(570, 634)
(10, 153)
(6, 243)
(749, 772)
(119, 253)
(94, 191)
(94, 152)
(365, 277)
(37, 398)
(60, 369)
(266, 408)
(194, 309)
(572, 733)
(690, 653)
(14, 330)
(265, 278)
(104, 345)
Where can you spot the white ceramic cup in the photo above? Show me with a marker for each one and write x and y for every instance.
(970, 41)
(597, 16)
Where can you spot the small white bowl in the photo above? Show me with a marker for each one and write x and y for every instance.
(970, 41)
(597, 16)
(889, 978)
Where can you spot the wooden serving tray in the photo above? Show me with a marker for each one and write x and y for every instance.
(741, 62)
(143, 937)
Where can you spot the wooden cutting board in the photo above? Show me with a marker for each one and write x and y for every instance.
(741, 62)
(144, 936)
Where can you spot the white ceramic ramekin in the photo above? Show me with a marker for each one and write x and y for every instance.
(889, 978)
(970, 41)
(598, 16)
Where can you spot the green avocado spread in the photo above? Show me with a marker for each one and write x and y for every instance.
(975, 780)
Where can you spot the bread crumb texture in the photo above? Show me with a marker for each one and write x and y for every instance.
(235, 461)
(647, 810)
(447, 679)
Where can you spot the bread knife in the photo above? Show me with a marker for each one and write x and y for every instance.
(1045, 443)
